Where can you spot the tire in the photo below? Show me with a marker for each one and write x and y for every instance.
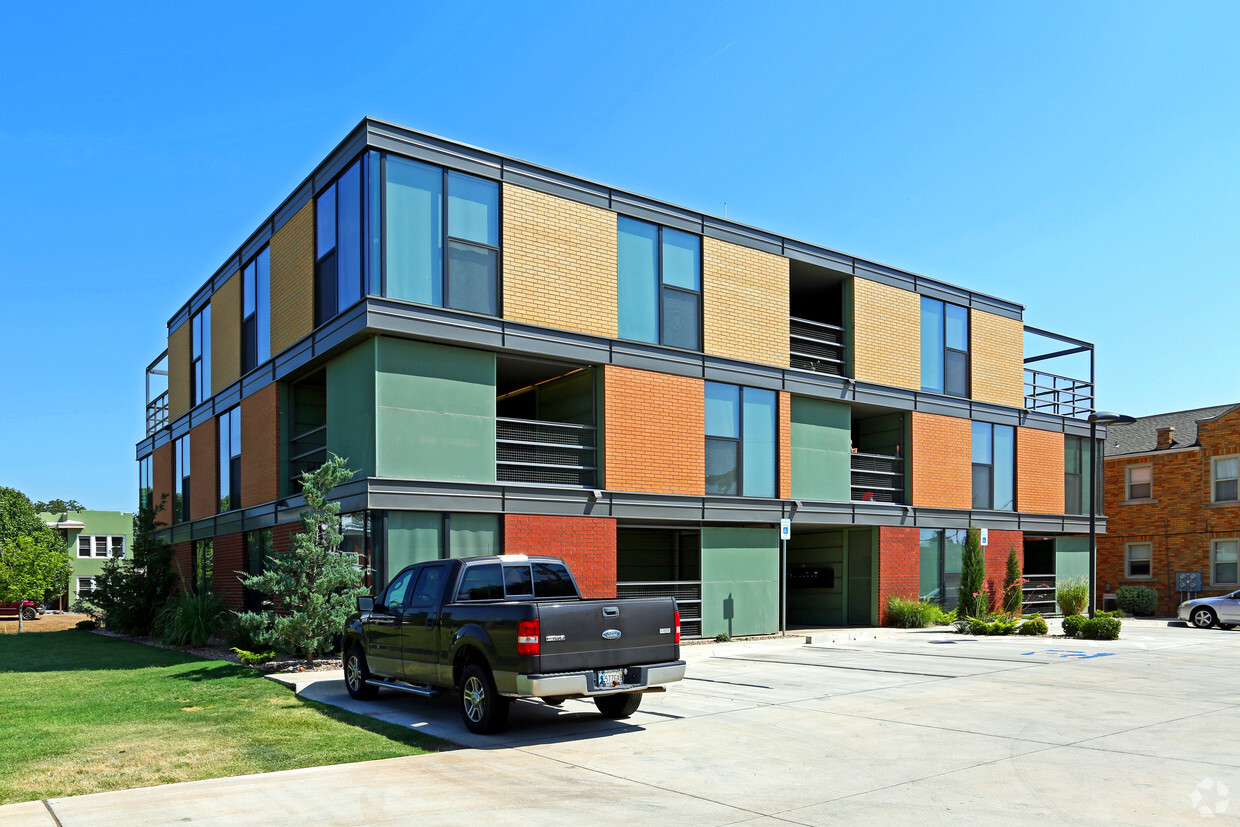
(1202, 617)
(356, 674)
(30, 613)
(1227, 627)
(618, 706)
(483, 709)
(554, 700)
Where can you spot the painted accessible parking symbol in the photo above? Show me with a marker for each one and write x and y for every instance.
(1070, 653)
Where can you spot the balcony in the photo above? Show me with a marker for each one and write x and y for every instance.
(157, 405)
(1059, 394)
(545, 453)
(817, 346)
(877, 478)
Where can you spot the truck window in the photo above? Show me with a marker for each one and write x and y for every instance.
(517, 582)
(398, 589)
(553, 580)
(426, 593)
(483, 582)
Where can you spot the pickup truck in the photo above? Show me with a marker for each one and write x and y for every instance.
(493, 629)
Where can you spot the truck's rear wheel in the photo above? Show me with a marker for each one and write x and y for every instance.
(618, 706)
(356, 674)
(483, 709)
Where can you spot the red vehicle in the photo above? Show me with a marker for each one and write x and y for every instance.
(29, 609)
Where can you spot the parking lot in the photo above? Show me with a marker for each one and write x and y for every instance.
(922, 725)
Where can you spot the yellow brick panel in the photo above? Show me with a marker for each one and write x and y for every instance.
(886, 335)
(744, 303)
(559, 263)
(179, 343)
(997, 357)
(292, 280)
(226, 334)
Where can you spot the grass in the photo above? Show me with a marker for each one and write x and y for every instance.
(84, 714)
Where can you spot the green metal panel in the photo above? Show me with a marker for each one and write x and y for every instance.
(862, 610)
(412, 537)
(435, 411)
(821, 437)
(473, 535)
(351, 408)
(816, 606)
(1071, 558)
(740, 581)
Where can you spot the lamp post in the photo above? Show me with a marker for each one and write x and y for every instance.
(1095, 419)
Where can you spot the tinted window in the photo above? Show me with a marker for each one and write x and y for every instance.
(553, 580)
(517, 582)
(398, 589)
(483, 582)
(429, 586)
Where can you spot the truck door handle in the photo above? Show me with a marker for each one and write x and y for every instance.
(611, 611)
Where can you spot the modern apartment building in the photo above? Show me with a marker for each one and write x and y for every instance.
(516, 359)
(1174, 506)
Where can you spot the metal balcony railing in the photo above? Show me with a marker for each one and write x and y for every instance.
(817, 346)
(1058, 395)
(548, 453)
(157, 413)
(157, 404)
(877, 478)
(1038, 594)
(688, 594)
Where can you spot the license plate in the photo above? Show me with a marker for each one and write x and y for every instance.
(607, 678)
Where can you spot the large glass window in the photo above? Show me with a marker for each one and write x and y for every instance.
(416, 214)
(994, 466)
(256, 311)
(1225, 479)
(230, 459)
(200, 356)
(1139, 482)
(259, 546)
(1073, 475)
(944, 347)
(146, 491)
(204, 567)
(1225, 560)
(740, 440)
(660, 284)
(941, 552)
(340, 234)
(180, 480)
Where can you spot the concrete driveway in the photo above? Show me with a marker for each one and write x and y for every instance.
(925, 726)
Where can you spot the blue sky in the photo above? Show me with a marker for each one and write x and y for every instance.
(1078, 158)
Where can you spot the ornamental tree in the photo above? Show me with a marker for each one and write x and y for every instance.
(1013, 583)
(971, 596)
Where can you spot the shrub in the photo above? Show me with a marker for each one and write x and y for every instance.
(86, 625)
(1137, 600)
(1072, 595)
(1072, 625)
(970, 596)
(129, 591)
(1101, 628)
(1033, 626)
(942, 618)
(253, 658)
(1012, 584)
(253, 631)
(909, 613)
(190, 620)
(723, 637)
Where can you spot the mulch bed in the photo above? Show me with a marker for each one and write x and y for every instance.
(281, 663)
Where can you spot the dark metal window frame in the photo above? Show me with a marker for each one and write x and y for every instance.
(739, 440)
(664, 286)
(1074, 481)
(199, 346)
(146, 491)
(181, 481)
(234, 458)
(968, 367)
(254, 564)
(362, 161)
(249, 281)
(990, 495)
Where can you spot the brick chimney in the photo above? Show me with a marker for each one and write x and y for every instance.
(1166, 436)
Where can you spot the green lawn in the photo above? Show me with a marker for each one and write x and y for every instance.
(81, 713)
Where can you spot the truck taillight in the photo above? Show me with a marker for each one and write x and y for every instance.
(678, 625)
(527, 637)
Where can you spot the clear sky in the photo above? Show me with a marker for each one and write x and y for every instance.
(1082, 159)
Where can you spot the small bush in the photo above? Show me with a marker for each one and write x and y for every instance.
(996, 623)
(253, 658)
(909, 613)
(942, 618)
(1033, 626)
(190, 620)
(1072, 625)
(1137, 600)
(1101, 628)
(722, 637)
(251, 631)
(86, 625)
(1072, 595)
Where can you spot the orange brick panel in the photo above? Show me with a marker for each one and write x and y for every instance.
(161, 483)
(785, 445)
(942, 460)
(260, 446)
(655, 432)
(1039, 471)
(204, 494)
(586, 544)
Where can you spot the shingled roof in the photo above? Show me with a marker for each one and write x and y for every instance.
(1142, 435)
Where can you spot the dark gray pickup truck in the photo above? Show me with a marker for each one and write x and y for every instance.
(497, 628)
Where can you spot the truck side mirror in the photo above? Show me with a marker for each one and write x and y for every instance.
(366, 604)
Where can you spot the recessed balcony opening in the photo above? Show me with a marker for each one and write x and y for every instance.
(307, 427)
(818, 339)
(157, 394)
(880, 447)
(545, 423)
(1057, 385)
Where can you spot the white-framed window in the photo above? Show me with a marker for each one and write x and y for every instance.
(1225, 479)
(85, 585)
(1225, 562)
(1137, 559)
(101, 545)
(1139, 482)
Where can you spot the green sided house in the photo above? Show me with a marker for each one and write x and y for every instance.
(91, 537)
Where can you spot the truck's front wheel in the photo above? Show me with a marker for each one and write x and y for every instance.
(618, 706)
(483, 709)
(356, 674)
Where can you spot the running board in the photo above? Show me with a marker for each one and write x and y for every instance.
(424, 691)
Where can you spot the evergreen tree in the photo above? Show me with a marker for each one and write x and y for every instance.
(971, 597)
(1012, 585)
(130, 592)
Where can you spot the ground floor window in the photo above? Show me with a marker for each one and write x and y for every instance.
(204, 567)
(1225, 559)
(941, 552)
(1137, 558)
(85, 587)
(258, 550)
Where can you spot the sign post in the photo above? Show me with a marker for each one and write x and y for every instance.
(785, 531)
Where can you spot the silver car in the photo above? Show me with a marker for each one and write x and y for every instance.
(1204, 612)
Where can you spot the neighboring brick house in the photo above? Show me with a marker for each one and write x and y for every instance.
(515, 359)
(1171, 503)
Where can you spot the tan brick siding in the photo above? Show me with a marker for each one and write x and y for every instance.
(559, 263)
(179, 344)
(942, 460)
(204, 494)
(785, 445)
(886, 335)
(744, 303)
(997, 359)
(226, 334)
(1039, 471)
(292, 280)
(260, 446)
(655, 432)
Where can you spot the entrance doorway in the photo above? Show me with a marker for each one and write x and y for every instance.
(831, 578)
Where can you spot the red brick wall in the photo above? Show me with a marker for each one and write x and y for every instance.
(899, 565)
(942, 460)
(1039, 471)
(282, 537)
(204, 486)
(654, 432)
(229, 551)
(183, 564)
(586, 544)
(998, 545)
(260, 446)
